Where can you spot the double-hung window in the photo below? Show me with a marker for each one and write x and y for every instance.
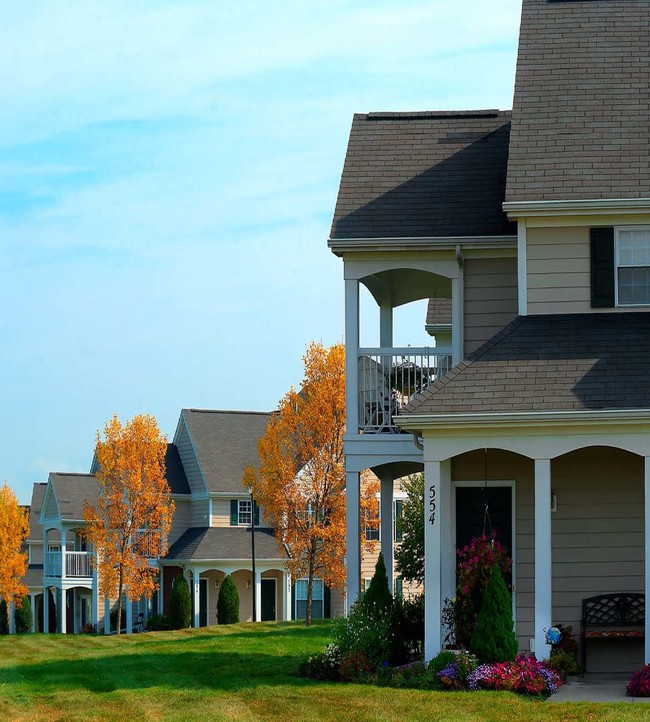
(633, 266)
(245, 512)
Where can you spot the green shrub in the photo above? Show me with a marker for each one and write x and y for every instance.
(180, 604)
(564, 663)
(228, 602)
(378, 600)
(158, 623)
(23, 616)
(4, 622)
(412, 625)
(325, 666)
(440, 661)
(494, 639)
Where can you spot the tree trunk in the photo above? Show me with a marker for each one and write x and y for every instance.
(119, 604)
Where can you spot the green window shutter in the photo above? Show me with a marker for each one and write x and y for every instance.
(327, 603)
(602, 267)
(234, 512)
(257, 514)
(399, 511)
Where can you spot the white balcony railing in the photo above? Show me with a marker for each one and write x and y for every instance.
(390, 377)
(77, 564)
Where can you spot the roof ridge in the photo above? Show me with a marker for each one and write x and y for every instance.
(228, 411)
(443, 114)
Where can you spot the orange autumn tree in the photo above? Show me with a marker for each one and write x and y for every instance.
(300, 483)
(14, 528)
(131, 520)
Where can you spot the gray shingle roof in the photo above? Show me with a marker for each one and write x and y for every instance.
(438, 311)
(71, 492)
(550, 363)
(33, 576)
(225, 443)
(38, 494)
(223, 543)
(424, 175)
(581, 115)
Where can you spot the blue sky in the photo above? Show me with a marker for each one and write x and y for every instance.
(168, 173)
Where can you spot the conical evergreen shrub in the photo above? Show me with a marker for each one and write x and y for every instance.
(494, 638)
(378, 601)
(23, 617)
(228, 602)
(180, 604)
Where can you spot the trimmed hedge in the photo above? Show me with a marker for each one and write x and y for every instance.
(228, 602)
(180, 604)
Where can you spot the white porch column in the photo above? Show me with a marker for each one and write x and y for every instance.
(352, 355)
(258, 595)
(12, 618)
(32, 601)
(457, 317)
(64, 536)
(386, 532)
(286, 596)
(63, 606)
(128, 605)
(647, 556)
(543, 564)
(196, 590)
(94, 601)
(46, 610)
(107, 616)
(352, 538)
(447, 542)
(436, 474)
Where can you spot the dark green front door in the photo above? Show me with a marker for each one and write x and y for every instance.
(268, 600)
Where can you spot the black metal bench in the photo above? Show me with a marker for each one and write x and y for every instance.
(611, 616)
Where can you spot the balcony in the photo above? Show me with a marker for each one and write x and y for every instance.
(389, 378)
(77, 564)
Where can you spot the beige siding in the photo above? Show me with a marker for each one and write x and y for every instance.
(558, 274)
(182, 519)
(490, 298)
(200, 514)
(189, 460)
(597, 535)
(221, 512)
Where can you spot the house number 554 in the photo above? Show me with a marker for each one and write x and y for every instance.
(432, 504)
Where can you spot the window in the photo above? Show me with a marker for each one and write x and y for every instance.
(397, 520)
(632, 266)
(244, 516)
(317, 599)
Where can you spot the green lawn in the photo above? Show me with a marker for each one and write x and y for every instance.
(242, 672)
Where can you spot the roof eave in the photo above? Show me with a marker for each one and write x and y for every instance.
(339, 246)
(420, 422)
(593, 206)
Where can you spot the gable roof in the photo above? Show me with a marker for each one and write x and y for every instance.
(223, 543)
(581, 112)
(427, 174)
(71, 491)
(36, 504)
(174, 471)
(225, 443)
(562, 362)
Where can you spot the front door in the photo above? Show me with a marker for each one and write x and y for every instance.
(268, 600)
(482, 510)
(203, 602)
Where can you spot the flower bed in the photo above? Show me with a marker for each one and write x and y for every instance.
(525, 676)
(639, 685)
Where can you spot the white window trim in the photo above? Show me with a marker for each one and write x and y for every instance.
(617, 230)
(240, 512)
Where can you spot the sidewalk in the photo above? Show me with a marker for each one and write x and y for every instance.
(596, 688)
